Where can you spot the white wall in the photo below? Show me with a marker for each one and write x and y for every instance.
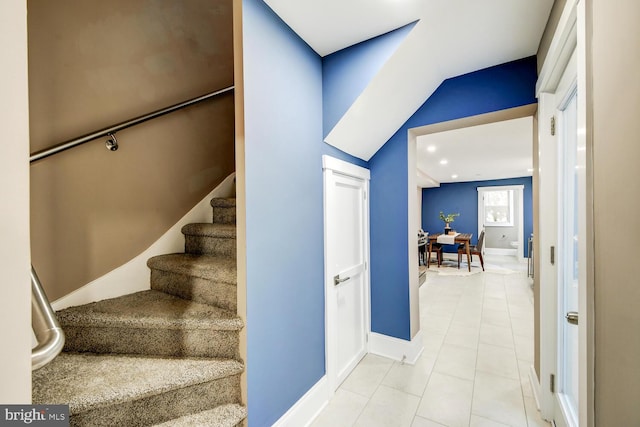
(15, 303)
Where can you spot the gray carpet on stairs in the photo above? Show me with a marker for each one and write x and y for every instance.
(154, 323)
(109, 389)
(210, 239)
(223, 416)
(202, 278)
(168, 356)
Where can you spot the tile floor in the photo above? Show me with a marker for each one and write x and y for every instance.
(474, 371)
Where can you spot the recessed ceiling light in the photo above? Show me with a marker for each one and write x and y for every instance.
(431, 148)
(454, 176)
(530, 170)
(444, 161)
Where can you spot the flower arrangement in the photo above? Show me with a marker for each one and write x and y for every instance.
(448, 217)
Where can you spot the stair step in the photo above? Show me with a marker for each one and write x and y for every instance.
(210, 239)
(201, 278)
(224, 210)
(229, 415)
(110, 390)
(153, 323)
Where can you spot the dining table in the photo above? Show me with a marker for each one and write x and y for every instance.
(458, 238)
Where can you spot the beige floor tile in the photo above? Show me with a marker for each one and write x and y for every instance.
(499, 399)
(496, 318)
(496, 335)
(524, 347)
(477, 421)
(389, 407)
(432, 344)
(410, 379)
(497, 361)
(495, 303)
(478, 342)
(435, 323)
(463, 337)
(423, 422)
(343, 410)
(447, 400)
(368, 375)
(456, 361)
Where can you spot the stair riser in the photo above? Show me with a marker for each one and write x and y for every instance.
(205, 245)
(224, 215)
(205, 291)
(157, 342)
(163, 407)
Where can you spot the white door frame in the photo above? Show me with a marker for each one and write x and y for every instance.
(519, 201)
(331, 165)
(569, 38)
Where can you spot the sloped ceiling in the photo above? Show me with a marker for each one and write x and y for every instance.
(452, 37)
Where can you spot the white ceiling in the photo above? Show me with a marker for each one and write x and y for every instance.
(330, 25)
(492, 151)
(452, 37)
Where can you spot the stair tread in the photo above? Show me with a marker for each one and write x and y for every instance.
(210, 230)
(223, 202)
(87, 381)
(150, 309)
(223, 416)
(216, 268)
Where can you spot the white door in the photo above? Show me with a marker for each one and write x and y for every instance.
(571, 250)
(346, 215)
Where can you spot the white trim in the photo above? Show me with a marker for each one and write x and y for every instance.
(562, 45)
(501, 187)
(308, 407)
(15, 304)
(345, 168)
(570, 35)
(134, 275)
(396, 348)
(502, 251)
(535, 385)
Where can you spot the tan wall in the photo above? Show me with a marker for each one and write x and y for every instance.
(547, 36)
(93, 63)
(615, 103)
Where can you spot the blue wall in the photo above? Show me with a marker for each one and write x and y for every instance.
(285, 239)
(347, 72)
(462, 197)
(496, 88)
(285, 274)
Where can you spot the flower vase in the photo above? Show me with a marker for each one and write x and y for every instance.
(447, 229)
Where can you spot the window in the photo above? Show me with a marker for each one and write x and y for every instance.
(498, 208)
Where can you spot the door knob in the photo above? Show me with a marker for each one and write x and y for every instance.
(572, 317)
(337, 280)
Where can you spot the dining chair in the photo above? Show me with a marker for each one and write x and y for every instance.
(474, 250)
(437, 248)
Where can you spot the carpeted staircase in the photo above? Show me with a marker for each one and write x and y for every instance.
(167, 356)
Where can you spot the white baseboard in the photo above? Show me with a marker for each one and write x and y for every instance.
(307, 408)
(395, 348)
(535, 385)
(134, 275)
(499, 251)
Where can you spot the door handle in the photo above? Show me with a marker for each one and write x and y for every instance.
(337, 280)
(572, 317)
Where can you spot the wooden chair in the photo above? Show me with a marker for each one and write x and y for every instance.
(474, 250)
(437, 248)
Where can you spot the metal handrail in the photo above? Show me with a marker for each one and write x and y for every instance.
(112, 144)
(45, 326)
